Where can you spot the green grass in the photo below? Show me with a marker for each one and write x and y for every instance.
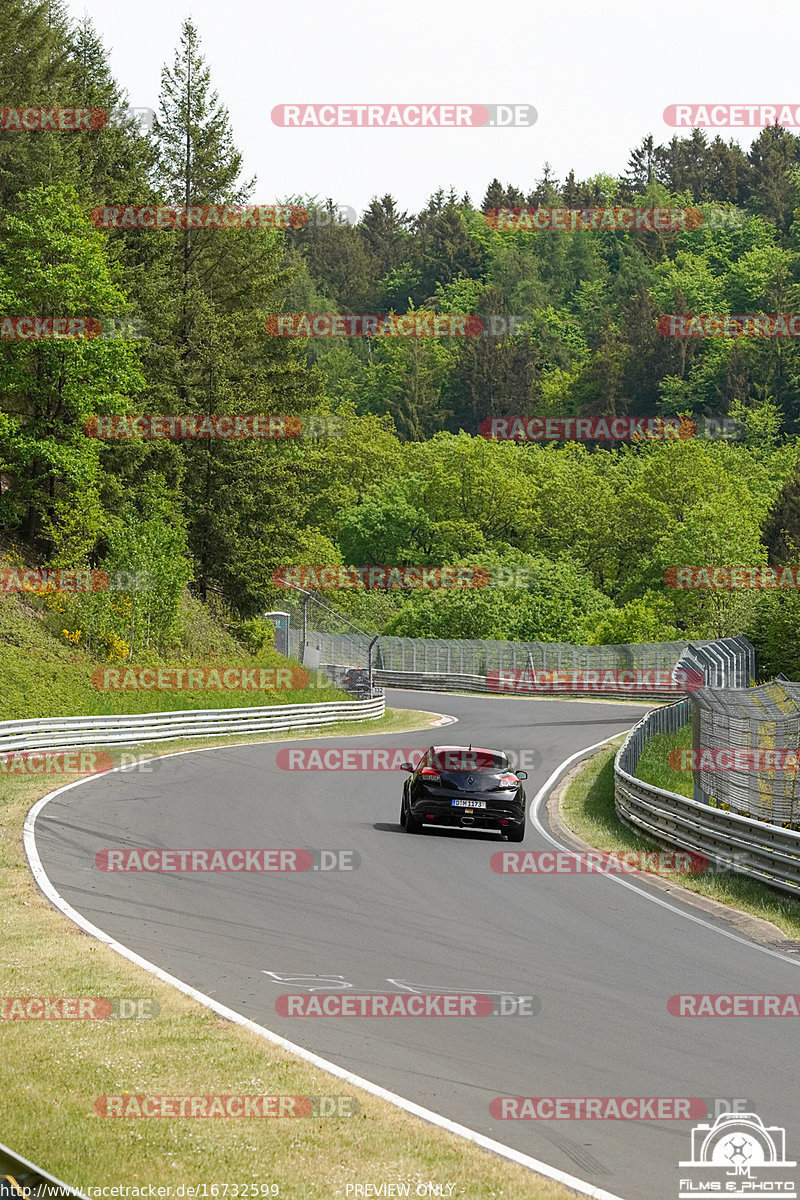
(44, 677)
(654, 768)
(587, 807)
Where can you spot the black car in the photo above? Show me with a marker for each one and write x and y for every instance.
(466, 787)
(356, 682)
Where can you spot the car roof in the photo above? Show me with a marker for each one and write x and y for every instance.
(473, 749)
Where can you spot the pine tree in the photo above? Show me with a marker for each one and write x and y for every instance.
(218, 356)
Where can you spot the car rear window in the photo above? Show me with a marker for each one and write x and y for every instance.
(469, 760)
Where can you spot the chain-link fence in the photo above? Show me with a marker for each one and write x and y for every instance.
(761, 720)
(432, 656)
(652, 669)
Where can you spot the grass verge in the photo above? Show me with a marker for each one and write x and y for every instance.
(654, 768)
(587, 807)
(52, 1071)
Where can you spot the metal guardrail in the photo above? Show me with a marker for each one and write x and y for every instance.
(743, 845)
(52, 733)
(477, 683)
(20, 1178)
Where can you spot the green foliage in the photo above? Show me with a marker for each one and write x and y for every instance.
(406, 480)
(255, 634)
(556, 605)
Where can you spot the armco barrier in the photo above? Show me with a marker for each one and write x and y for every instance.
(746, 846)
(19, 1178)
(477, 683)
(51, 733)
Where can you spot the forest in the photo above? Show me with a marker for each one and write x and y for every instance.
(392, 466)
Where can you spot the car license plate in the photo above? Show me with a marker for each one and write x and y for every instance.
(468, 803)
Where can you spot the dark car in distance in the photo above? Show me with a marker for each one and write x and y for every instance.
(356, 682)
(464, 787)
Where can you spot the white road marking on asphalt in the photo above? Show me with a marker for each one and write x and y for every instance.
(544, 792)
(416, 1110)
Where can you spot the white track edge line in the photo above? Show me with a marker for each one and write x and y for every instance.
(417, 1110)
(643, 891)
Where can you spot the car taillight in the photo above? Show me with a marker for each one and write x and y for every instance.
(508, 781)
(429, 774)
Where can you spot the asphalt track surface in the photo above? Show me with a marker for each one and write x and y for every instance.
(426, 912)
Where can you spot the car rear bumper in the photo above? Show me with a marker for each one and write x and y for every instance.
(442, 812)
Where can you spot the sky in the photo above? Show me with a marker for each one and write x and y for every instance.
(599, 75)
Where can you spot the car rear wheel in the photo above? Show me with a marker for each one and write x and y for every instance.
(403, 814)
(413, 824)
(516, 833)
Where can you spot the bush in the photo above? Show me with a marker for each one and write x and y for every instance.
(254, 634)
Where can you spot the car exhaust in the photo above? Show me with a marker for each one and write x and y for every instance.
(467, 820)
